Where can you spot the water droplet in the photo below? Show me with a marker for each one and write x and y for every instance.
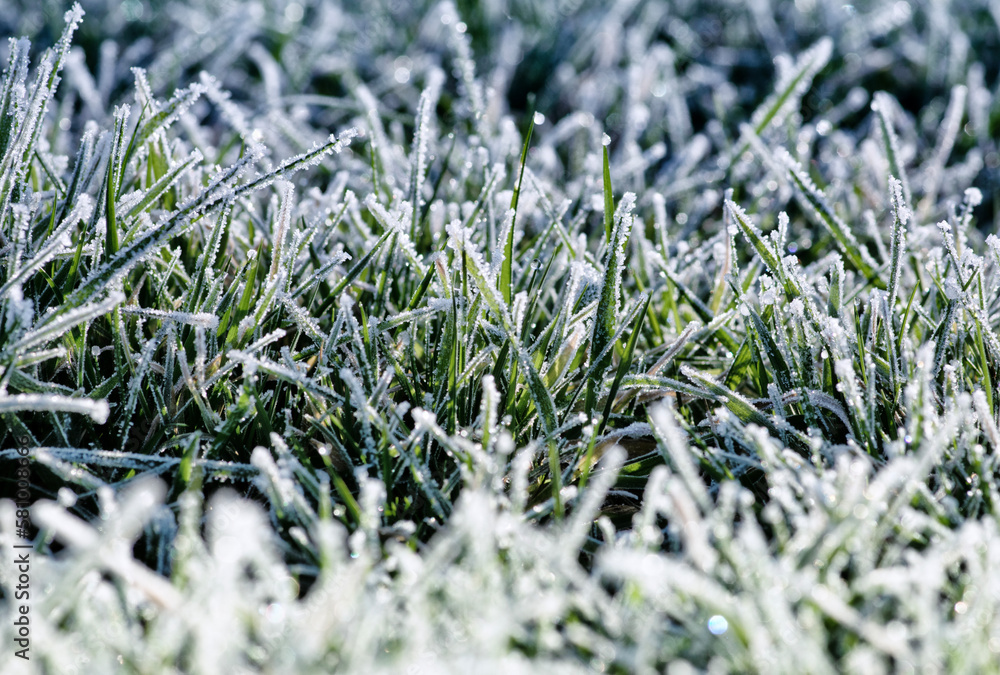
(293, 12)
(536, 264)
(274, 612)
(539, 119)
(717, 625)
(606, 140)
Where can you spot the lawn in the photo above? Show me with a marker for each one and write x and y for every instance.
(508, 337)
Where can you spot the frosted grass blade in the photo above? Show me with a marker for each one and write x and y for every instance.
(508, 248)
(607, 306)
(96, 410)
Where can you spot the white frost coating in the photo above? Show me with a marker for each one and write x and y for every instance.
(993, 241)
(884, 106)
(633, 430)
(794, 81)
(974, 196)
(465, 65)
(391, 220)
(48, 329)
(488, 573)
(202, 319)
(278, 253)
(269, 473)
(335, 144)
(815, 202)
(899, 203)
(96, 410)
(498, 251)
(19, 310)
(418, 156)
(952, 290)
(769, 290)
(302, 318)
(122, 526)
(622, 229)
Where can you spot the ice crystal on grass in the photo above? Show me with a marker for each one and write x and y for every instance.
(596, 337)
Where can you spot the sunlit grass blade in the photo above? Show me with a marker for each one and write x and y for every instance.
(508, 247)
(607, 305)
(625, 363)
(883, 106)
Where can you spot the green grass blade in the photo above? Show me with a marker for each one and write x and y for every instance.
(882, 105)
(536, 386)
(609, 197)
(814, 203)
(607, 305)
(789, 90)
(783, 375)
(625, 362)
(508, 248)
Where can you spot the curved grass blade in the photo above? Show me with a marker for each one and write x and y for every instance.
(789, 90)
(815, 203)
(882, 106)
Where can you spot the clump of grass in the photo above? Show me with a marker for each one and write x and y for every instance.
(671, 373)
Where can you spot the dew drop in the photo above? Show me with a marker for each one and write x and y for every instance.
(717, 625)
